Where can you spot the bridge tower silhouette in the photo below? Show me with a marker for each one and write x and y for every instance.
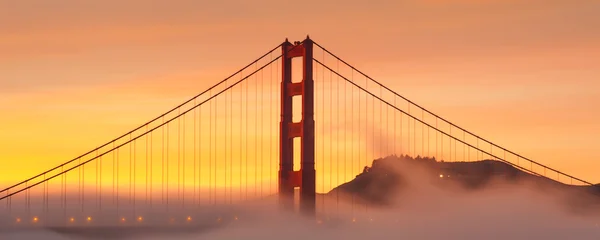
(305, 178)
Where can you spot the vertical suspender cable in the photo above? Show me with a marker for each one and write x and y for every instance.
(99, 181)
(79, 182)
(199, 155)
(183, 165)
(231, 147)
(167, 166)
(194, 196)
(241, 134)
(428, 142)
(216, 152)
(225, 142)
(210, 140)
(465, 147)
(394, 121)
(450, 144)
(367, 131)
(436, 139)
(178, 156)
(114, 153)
(162, 170)
(408, 129)
(323, 133)
(337, 140)
(261, 132)
(345, 148)
(255, 131)
(130, 168)
(271, 116)
(117, 176)
(331, 131)
(146, 137)
(246, 140)
(414, 136)
(82, 188)
(352, 133)
(134, 176)
(151, 167)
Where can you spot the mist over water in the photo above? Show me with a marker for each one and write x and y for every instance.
(420, 210)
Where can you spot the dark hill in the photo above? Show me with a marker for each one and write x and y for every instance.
(376, 184)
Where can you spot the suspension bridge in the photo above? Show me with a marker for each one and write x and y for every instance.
(297, 117)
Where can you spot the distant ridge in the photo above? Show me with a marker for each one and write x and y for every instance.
(376, 184)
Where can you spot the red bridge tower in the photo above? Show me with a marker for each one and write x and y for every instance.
(305, 129)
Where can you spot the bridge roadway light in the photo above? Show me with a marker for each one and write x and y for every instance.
(122, 219)
(18, 220)
(71, 219)
(35, 219)
(140, 219)
(189, 218)
(89, 219)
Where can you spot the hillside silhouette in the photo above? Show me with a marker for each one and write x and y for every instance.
(388, 177)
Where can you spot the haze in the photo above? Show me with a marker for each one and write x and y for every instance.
(420, 211)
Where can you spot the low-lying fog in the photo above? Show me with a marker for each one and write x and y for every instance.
(422, 210)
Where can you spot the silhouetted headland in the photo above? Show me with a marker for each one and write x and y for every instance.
(388, 177)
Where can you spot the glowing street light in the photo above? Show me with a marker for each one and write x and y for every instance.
(123, 219)
(189, 218)
(71, 219)
(18, 220)
(89, 219)
(140, 219)
(35, 219)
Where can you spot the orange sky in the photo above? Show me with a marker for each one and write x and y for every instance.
(523, 74)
